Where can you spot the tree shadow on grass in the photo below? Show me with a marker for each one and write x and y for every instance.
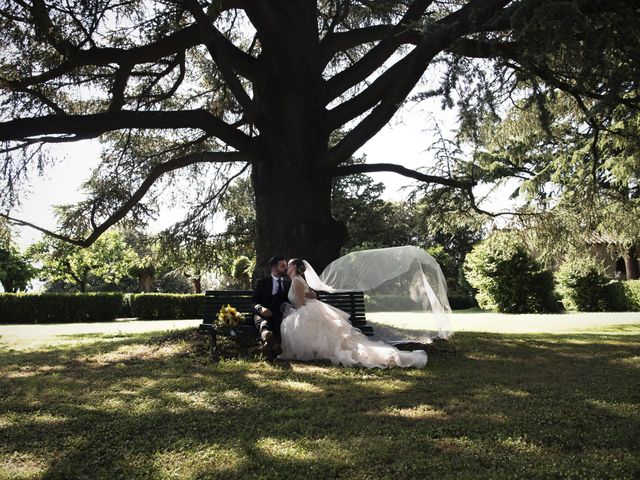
(487, 405)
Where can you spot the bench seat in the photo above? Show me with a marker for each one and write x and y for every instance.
(242, 300)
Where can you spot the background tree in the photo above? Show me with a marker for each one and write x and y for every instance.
(239, 215)
(147, 264)
(242, 272)
(15, 270)
(578, 174)
(190, 255)
(186, 94)
(107, 261)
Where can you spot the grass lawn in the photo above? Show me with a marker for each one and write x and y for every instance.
(488, 405)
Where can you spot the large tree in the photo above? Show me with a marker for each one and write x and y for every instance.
(106, 261)
(213, 85)
(579, 175)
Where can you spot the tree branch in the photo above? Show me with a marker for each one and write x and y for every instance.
(146, 94)
(389, 91)
(336, 42)
(93, 125)
(267, 26)
(156, 172)
(379, 54)
(474, 206)
(399, 169)
(170, 45)
(119, 85)
(465, 185)
(34, 92)
(226, 56)
(511, 51)
(224, 49)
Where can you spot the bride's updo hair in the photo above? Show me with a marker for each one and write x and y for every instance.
(300, 268)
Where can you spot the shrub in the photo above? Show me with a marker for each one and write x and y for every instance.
(624, 296)
(166, 306)
(582, 285)
(507, 278)
(461, 301)
(59, 307)
(632, 293)
(242, 269)
(173, 282)
(390, 303)
(396, 303)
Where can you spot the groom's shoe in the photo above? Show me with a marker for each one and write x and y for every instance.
(271, 343)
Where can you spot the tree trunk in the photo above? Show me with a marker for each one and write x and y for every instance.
(145, 282)
(293, 218)
(292, 191)
(197, 284)
(631, 264)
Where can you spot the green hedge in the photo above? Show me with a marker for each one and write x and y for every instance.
(165, 306)
(59, 307)
(400, 303)
(460, 301)
(96, 307)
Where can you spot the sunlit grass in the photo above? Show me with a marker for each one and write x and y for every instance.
(486, 406)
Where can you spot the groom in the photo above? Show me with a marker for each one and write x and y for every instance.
(269, 295)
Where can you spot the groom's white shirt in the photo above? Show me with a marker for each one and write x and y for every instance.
(274, 284)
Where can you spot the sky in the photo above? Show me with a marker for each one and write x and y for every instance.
(403, 141)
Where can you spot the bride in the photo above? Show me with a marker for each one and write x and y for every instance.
(315, 330)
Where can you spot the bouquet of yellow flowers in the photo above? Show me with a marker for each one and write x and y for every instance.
(229, 318)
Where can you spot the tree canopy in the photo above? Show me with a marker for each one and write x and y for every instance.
(188, 94)
(108, 260)
(579, 174)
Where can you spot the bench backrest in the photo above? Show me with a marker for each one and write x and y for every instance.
(351, 302)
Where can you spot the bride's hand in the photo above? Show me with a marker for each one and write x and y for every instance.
(311, 295)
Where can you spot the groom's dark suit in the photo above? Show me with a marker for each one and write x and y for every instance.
(263, 296)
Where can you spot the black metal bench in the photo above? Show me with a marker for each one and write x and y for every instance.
(350, 302)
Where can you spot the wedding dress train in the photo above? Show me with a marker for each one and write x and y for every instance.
(318, 331)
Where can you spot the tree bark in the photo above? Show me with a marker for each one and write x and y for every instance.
(292, 190)
(293, 217)
(631, 264)
(197, 284)
(145, 281)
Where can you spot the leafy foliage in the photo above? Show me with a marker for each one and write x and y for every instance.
(184, 96)
(371, 221)
(582, 284)
(507, 278)
(578, 176)
(109, 260)
(624, 295)
(15, 270)
(242, 271)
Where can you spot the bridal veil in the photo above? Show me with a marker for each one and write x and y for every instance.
(405, 291)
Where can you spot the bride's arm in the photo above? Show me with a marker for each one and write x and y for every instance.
(298, 291)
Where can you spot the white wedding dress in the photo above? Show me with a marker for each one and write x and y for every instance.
(318, 331)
